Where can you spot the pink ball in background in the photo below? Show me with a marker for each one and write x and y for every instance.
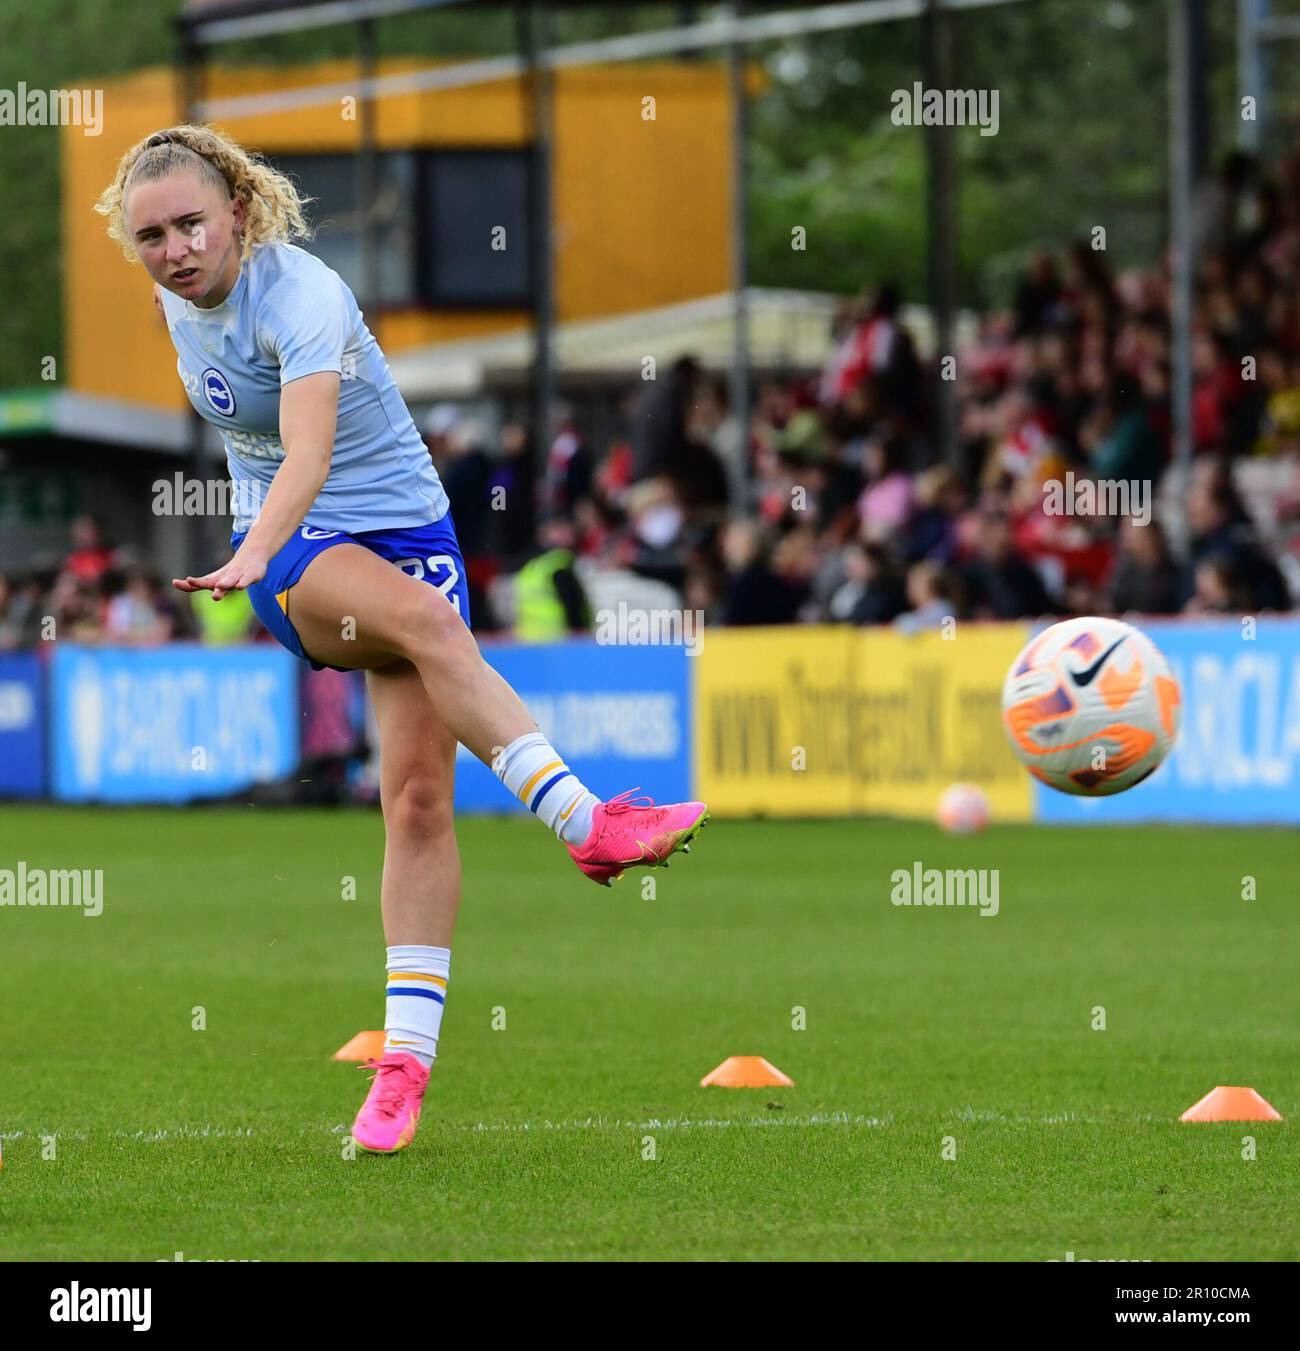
(963, 809)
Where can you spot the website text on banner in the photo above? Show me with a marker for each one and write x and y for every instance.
(620, 715)
(815, 721)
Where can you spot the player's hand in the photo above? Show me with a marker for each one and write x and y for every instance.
(240, 573)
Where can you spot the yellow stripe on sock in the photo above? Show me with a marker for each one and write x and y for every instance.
(417, 975)
(537, 778)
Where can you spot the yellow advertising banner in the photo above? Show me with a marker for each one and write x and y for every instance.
(760, 695)
(820, 721)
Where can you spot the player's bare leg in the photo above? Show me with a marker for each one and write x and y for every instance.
(419, 898)
(351, 608)
(421, 886)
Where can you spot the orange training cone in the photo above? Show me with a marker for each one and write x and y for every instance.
(746, 1071)
(1231, 1104)
(364, 1046)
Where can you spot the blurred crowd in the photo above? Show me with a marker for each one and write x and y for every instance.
(102, 593)
(832, 503)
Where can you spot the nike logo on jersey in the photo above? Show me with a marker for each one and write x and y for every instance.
(1086, 676)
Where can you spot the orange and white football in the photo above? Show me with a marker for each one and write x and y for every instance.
(1091, 707)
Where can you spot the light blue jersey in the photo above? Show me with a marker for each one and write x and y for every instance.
(287, 316)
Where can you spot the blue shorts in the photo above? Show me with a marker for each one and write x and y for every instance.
(429, 553)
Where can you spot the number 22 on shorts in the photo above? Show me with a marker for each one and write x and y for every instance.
(414, 567)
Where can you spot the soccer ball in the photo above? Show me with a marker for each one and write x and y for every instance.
(963, 809)
(1090, 707)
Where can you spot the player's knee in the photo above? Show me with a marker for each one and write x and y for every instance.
(434, 629)
(420, 808)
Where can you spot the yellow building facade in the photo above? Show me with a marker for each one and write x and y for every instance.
(640, 193)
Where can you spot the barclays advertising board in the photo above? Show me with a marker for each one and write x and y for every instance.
(170, 724)
(618, 714)
(22, 725)
(1237, 758)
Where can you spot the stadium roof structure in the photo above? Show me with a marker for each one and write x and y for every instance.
(42, 411)
(202, 23)
(789, 332)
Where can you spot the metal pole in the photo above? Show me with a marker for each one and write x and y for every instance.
(687, 15)
(1252, 72)
(1181, 263)
(192, 54)
(533, 26)
(201, 546)
(1198, 69)
(941, 224)
(739, 229)
(368, 176)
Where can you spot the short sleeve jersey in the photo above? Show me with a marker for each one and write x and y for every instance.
(287, 316)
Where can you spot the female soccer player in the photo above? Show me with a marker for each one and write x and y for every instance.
(344, 544)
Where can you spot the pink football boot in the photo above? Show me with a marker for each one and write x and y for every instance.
(391, 1111)
(628, 833)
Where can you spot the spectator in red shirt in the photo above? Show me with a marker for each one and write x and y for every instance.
(90, 558)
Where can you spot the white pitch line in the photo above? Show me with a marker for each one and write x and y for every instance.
(806, 1120)
(683, 1123)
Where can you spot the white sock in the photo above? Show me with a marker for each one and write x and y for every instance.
(530, 768)
(417, 989)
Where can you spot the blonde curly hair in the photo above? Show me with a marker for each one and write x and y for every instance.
(273, 206)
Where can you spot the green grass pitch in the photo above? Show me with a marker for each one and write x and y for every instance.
(921, 1024)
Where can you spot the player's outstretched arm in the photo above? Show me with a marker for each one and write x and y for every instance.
(308, 419)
